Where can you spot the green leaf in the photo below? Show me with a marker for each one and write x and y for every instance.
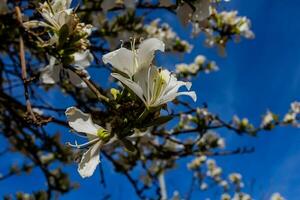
(63, 34)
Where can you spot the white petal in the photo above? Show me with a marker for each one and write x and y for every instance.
(89, 161)
(172, 96)
(122, 60)
(76, 80)
(81, 122)
(60, 5)
(50, 74)
(192, 94)
(35, 24)
(83, 59)
(131, 85)
(147, 49)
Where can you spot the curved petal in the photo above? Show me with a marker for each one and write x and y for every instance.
(147, 49)
(131, 85)
(35, 24)
(172, 96)
(61, 5)
(83, 59)
(89, 161)
(122, 60)
(50, 74)
(81, 122)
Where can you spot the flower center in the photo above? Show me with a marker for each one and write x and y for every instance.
(135, 57)
(103, 134)
(160, 83)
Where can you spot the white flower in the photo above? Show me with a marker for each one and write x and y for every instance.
(131, 61)
(203, 186)
(244, 28)
(97, 136)
(224, 184)
(155, 86)
(268, 118)
(241, 196)
(57, 13)
(289, 118)
(215, 172)
(225, 196)
(277, 196)
(197, 162)
(200, 59)
(235, 177)
(51, 73)
(295, 106)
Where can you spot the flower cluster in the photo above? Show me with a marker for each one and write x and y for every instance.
(62, 26)
(165, 33)
(211, 140)
(197, 162)
(269, 120)
(291, 116)
(223, 26)
(155, 86)
(277, 196)
(200, 64)
(211, 171)
(67, 36)
(242, 125)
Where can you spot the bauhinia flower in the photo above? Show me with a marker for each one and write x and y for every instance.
(268, 119)
(56, 14)
(130, 61)
(61, 23)
(97, 138)
(155, 86)
(51, 73)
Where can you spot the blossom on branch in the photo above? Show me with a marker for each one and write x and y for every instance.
(97, 136)
(155, 86)
(52, 73)
(62, 26)
(130, 61)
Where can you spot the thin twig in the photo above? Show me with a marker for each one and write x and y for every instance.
(23, 65)
(90, 84)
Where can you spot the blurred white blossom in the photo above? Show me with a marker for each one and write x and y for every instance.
(277, 196)
(51, 74)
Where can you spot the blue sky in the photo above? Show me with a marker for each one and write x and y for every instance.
(256, 75)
